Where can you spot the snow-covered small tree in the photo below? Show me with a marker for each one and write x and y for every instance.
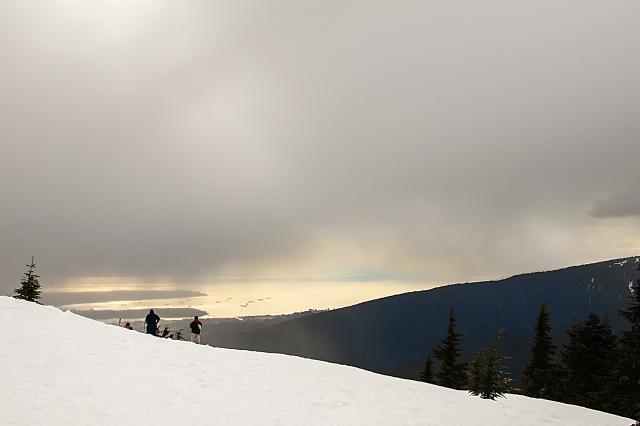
(29, 285)
(474, 372)
(495, 381)
(538, 374)
(427, 373)
(452, 372)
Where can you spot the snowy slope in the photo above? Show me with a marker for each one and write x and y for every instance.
(57, 368)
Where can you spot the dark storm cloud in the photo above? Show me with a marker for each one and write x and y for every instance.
(72, 298)
(172, 141)
(619, 205)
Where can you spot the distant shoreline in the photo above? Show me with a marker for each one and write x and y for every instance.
(137, 314)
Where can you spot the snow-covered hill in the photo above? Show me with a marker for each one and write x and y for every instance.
(57, 368)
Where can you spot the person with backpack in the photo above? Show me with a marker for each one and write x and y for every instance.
(196, 328)
(152, 321)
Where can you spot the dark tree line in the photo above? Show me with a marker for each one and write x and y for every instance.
(484, 376)
(595, 369)
(628, 368)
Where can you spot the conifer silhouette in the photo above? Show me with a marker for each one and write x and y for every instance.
(537, 376)
(451, 373)
(30, 287)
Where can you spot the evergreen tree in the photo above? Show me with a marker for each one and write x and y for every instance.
(538, 375)
(495, 382)
(474, 372)
(30, 287)
(628, 369)
(427, 373)
(451, 373)
(589, 362)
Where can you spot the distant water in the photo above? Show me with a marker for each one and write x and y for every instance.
(234, 299)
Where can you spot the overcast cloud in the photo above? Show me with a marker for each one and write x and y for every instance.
(441, 140)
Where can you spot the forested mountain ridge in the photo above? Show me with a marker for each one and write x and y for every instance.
(393, 335)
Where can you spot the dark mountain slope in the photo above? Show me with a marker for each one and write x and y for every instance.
(393, 335)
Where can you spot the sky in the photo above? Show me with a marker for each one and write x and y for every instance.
(418, 142)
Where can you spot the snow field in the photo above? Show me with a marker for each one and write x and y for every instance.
(57, 368)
